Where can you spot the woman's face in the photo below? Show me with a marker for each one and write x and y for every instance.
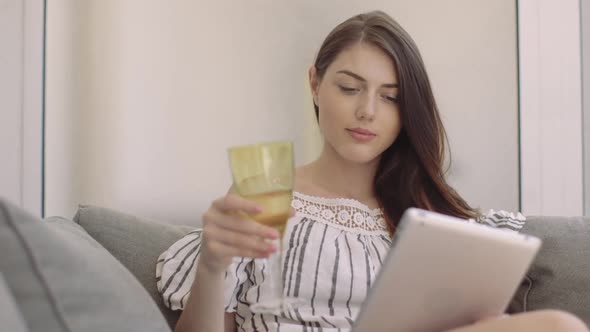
(358, 113)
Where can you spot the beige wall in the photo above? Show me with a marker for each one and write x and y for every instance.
(585, 22)
(551, 107)
(144, 97)
(11, 88)
(21, 100)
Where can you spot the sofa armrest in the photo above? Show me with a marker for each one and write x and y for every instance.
(10, 316)
(560, 275)
(135, 242)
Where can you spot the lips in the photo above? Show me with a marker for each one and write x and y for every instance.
(362, 131)
(361, 134)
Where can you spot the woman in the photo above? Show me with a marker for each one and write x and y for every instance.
(383, 153)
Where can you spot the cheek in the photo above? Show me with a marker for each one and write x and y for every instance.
(397, 120)
(394, 124)
(334, 110)
(328, 120)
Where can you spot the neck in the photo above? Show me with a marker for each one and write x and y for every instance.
(343, 178)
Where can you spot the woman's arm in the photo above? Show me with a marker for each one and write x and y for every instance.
(533, 321)
(226, 234)
(204, 310)
(230, 322)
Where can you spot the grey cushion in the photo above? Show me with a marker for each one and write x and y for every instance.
(10, 316)
(135, 242)
(63, 280)
(559, 278)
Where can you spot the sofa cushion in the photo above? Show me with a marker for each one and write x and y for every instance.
(10, 315)
(559, 278)
(135, 242)
(63, 280)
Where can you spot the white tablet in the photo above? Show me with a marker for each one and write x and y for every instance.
(443, 272)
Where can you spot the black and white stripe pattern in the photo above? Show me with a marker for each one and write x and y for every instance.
(330, 267)
(502, 219)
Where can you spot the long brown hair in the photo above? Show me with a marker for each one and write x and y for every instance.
(410, 173)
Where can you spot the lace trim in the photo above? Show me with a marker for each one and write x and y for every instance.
(345, 213)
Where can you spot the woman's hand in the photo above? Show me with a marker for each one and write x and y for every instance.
(227, 232)
(492, 318)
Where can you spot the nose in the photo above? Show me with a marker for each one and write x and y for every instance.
(367, 107)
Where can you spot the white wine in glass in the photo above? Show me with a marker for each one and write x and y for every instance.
(264, 173)
(274, 214)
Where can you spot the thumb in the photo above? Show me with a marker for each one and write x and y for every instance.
(501, 316)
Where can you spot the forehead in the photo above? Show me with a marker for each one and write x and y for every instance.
(366, 60)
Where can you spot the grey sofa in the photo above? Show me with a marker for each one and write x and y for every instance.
(96, 272)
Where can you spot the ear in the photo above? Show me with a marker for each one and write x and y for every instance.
(314, 83)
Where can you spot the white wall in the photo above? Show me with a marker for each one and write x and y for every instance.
(143, 97)
(21, 102)
(11, 39)
(585, 22)
(551, 109)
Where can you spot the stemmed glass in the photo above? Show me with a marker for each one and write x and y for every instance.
(264, 173)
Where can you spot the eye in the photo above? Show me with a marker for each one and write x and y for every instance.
(348, 90)
(391, 99)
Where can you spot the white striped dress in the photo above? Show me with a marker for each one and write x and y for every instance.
(333, 249)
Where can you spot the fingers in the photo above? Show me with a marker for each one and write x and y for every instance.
(226, 243)
(228, 232)
(501, 316)
(232, 202)
(239, 224)
(226, 251)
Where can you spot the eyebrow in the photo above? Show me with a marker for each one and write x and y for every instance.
(362, 79)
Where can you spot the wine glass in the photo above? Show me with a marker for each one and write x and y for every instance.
(263, 173)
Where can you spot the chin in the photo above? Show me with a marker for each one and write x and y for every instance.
(359, 155)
